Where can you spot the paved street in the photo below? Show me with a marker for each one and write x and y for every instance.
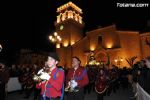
(119, 95)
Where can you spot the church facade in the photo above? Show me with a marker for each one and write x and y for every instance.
(105, 43)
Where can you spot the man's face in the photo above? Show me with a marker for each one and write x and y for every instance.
(2, 66)
(75, 62)
(142, 63)
(51, 62)
(147, 63)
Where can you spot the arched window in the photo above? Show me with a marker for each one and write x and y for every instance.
(100, 39)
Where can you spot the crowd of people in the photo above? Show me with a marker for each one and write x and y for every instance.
(141, 74)
(52, 81)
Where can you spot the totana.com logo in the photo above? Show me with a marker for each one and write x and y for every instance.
(132, 4)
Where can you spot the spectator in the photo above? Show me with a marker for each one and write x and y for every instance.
(4, 77)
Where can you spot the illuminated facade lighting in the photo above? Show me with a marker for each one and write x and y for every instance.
(73, 13)
(66, 44)
(72, 42)
(92, 48)
(109, 45)
(57, 45)
(69, 4)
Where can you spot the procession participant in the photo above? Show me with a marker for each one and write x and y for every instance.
(76, 80)
(37, 91)
(91, 71)
(146, 79)
(29, 83)
(22, 78)
(101, 84)
(52, 80)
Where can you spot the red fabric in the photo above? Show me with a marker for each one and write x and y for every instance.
(55, 85)
(81, 83)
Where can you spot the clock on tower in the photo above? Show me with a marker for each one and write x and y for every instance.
(61, 27)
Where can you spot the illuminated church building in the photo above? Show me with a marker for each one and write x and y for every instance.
(102, 42)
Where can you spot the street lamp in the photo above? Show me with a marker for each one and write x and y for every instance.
(55, 38)
(118, 61)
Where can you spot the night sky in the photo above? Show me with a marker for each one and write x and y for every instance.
(28, 23)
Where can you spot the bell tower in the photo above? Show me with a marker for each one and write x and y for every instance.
(69, 24)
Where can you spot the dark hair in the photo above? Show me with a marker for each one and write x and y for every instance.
(2, 61)
(77, 59)
(143, 61)
(148, 58)
(54, 55)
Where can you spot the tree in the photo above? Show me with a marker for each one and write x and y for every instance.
(131, 60)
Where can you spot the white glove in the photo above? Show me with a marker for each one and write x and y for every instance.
(73, 83)
(45, 76)
(40, 72)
